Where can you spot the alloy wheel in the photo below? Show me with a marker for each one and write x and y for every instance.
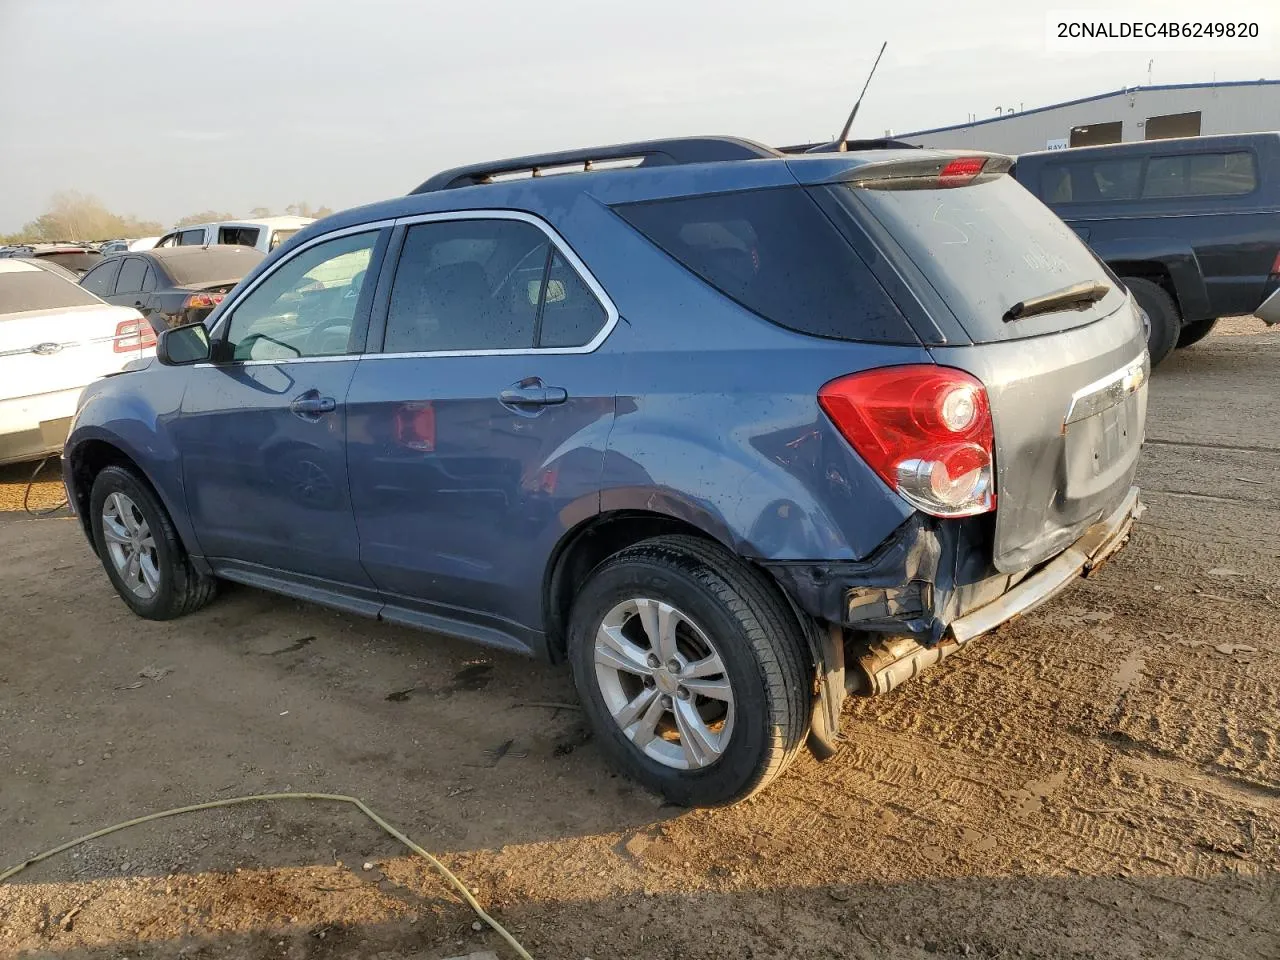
(664, 683)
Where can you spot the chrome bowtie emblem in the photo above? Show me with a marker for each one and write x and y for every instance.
(45, 349)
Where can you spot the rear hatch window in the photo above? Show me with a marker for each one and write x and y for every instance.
(775, 252)
(985, 247)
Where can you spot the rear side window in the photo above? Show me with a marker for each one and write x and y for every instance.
(101, 280)
(37, 289)
(1201, 175)
(985, 247)
(277, 238)
(1092, 181)
(487, 284)
(243, 236)
(776, 253)
(131, 275)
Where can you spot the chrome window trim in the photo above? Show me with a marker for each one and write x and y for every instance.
(561, 245)
(1108, 391)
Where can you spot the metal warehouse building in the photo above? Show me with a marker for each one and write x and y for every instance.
(1138, 113)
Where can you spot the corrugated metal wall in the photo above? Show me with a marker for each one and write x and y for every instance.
(1239, 108)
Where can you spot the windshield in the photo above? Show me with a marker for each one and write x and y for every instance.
(988, 246)
(216, 264)
(36, 289)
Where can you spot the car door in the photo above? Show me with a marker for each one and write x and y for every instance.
(477, 431)
(264, 424)
(128, 292)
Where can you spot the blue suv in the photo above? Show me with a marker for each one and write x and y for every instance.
(733, 432)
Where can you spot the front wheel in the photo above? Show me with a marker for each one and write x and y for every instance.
(692, 670)
(140, 550)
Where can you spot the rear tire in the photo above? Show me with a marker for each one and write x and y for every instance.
(140, 549)
(1195, 332)
(1162, 314)
(721, 605)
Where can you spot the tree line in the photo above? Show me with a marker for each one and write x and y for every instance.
(73, 215)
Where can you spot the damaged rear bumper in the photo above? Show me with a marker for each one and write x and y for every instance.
(1099, 542)
(931, 590)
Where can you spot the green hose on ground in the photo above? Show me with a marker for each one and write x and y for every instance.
(233, 801)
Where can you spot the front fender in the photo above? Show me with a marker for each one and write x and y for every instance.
(132, 413)
(1177, 258)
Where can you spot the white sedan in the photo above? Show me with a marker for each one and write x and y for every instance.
(55, 338)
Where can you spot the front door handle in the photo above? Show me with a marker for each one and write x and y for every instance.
(311, 405)
(532, 393)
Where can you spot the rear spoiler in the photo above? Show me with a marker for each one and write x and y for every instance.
(849, 146)
(926, 173)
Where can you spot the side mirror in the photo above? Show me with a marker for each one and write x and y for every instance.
(179, 346)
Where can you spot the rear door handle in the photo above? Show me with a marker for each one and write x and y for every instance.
(310, 405)
(532, 393)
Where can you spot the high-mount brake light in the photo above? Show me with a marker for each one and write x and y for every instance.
(960, 171)
(925, 430)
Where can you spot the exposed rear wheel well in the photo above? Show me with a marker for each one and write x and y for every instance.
(1156, 272)
(89, 459)
(586, 548)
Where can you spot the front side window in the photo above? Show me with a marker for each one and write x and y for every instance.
(307, 307)
(131, 276)
(190, 238)
(101, 280)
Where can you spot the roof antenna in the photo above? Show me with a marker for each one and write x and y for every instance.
(843, 139)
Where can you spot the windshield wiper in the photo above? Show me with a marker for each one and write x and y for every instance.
(1076, 297)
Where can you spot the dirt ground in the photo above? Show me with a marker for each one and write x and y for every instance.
(1101, 779)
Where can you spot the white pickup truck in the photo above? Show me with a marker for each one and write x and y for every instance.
(264, 235)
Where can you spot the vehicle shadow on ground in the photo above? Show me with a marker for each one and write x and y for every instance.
(1097, 917)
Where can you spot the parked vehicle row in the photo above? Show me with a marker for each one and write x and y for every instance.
(1192, 226)
(75, 257)
(731, 432)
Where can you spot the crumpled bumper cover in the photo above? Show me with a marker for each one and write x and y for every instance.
(933, 580)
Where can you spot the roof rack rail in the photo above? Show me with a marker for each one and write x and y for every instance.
(649, 153)
(879, 143)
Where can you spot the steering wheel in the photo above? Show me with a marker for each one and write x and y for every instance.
(329, 338)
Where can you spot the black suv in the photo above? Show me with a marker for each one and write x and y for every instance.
(1192, 226)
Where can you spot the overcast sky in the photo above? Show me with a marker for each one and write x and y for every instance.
(162, 108)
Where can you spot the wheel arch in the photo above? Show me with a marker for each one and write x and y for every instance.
(88, 458)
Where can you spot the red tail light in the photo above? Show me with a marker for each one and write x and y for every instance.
(925, 430)
(1275, 267)
(133, 335)
(203, 301)
(960, 171)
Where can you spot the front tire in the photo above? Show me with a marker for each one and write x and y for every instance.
(1195, 332)
(692, 669)
(140, 550)
(1162, 314)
